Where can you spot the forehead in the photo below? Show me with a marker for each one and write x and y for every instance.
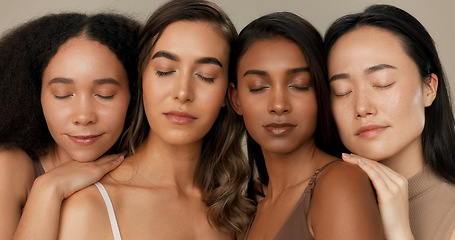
(196, 38)
(367, 45)
(274, 50)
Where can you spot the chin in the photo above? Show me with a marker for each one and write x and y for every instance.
(86, 157)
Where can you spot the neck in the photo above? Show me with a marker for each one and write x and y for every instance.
(287, 170)
(166, 164)
(407, 162)
(54, 158)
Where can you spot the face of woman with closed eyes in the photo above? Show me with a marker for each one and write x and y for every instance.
(85, 97)
(185, 82)
(275, 95)
(378, 96)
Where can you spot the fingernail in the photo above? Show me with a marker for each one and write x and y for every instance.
(346, 156)
(361, 162)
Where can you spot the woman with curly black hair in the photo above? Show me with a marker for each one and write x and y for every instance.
(66, 81)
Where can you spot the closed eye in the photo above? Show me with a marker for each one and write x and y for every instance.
(162, 74)
(301, 88)
(206, 79)
(253, 90)
(63, 97)
(385, 86)
(342, 94)
(105, 97)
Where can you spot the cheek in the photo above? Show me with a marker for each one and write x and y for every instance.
(340, 115)
(214, 95)
(114, 115)
(54, 113)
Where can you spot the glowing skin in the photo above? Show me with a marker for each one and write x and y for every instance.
(185, 82)
(379, 98)
(85, 97)
(275, 96)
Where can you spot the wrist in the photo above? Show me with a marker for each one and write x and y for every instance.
(47, 188)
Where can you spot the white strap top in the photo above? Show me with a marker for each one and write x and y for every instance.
(110, 211)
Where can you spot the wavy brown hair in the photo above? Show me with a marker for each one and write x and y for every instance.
(223, 171)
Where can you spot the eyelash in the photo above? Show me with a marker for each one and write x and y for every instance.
(385, 86)
(206, 79)
(62, 97)
(342, 95)
(105, 97)
(254, 90)
(97, 95)
(301, 88)
(162, 74)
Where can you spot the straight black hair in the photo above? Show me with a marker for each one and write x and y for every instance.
(438, 136)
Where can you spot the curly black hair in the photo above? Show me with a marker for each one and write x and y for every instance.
(25, 52)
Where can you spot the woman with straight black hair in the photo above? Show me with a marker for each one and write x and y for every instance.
(391, 104)
(278, 88)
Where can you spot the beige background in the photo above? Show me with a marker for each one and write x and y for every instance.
(438, 16)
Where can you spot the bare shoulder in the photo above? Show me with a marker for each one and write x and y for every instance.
(344, 204)
(15, 159)
(16, 180)
(84, 215)
(340, 173)
(16, 167)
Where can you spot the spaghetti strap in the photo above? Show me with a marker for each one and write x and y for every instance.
(110, 211)
(313, 178)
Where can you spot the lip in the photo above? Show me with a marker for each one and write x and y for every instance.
(84, 140)
(279, 128)
(370, 131)
(179, 117)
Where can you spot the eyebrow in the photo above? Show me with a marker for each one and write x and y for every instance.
(173, 57)
(255, 72)
(369, 70)
(378, 67)
(165, 54)
(106, 81)
(209, 60)
(288, 72)
(298, 70)
(60, 80)
(96, 81)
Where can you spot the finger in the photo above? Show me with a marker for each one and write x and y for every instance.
(376, 166)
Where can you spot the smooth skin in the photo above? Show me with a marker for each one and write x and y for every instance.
(378, 100)
(276, 98)
(84, 97)
(153, 192)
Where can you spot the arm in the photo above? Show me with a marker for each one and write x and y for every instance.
(392, 192)
(343, 205)
(16, 179)
(40, 219)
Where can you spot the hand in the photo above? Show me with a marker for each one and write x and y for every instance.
(73, 176)
(392, 193)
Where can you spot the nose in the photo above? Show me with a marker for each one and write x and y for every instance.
(183, 89)
(364, 104)
(279, 102)
(84, 111)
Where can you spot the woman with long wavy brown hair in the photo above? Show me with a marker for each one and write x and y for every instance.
(186, 177)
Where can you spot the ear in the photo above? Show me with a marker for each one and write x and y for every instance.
(430, 89)
(234, 99)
